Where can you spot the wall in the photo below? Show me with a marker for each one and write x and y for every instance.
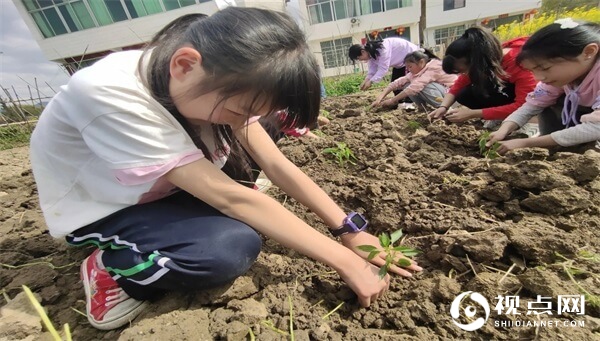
(437, 17)
(123, 33)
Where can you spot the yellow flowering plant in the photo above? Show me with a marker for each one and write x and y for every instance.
(530, 26)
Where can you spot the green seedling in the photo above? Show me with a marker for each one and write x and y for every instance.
(587, 255)
(342, 154)
(491, 152)
(393, 254)
(319, 133)
(568, 266)
(325, 114)
(413, 125)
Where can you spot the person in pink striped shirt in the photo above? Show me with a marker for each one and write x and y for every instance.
(425, 83)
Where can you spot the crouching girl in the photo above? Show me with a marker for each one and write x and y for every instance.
(128, 157)
(564, 57)
(426, 82)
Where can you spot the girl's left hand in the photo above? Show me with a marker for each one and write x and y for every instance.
(460, 114)
(353, 240)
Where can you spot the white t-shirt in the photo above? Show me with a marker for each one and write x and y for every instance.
(103, 144)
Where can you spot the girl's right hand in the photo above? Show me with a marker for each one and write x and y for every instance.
(505, 129)
(377, 101)
(363, 278)
(496, 136)
(437, 114)
(366, 84)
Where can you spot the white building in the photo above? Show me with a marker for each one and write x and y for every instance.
(75, 33)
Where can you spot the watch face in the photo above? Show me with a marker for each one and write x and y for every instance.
(358, 221)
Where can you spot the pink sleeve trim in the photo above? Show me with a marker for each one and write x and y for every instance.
(140, 175)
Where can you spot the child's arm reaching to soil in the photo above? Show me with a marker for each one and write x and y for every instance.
(267, 216)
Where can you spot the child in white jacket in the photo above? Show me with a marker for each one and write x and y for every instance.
(426, 82)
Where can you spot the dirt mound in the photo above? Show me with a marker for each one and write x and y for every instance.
(522, 225)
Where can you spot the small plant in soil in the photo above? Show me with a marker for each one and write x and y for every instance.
(318, 132)
(394, 254)
(413, 125)
(571, 270)
(491, 152)
(325, 114)
(342, 154)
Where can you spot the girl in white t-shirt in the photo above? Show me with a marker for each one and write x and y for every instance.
(116, 142)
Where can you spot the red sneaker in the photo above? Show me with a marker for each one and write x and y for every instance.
(108, 306)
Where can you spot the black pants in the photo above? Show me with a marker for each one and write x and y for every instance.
(176, 243)
(473, 99)
(550, 120)
(397, 73)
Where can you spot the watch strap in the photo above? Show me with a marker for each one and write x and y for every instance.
(341, 230)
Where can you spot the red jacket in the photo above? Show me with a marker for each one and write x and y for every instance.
(521, 78)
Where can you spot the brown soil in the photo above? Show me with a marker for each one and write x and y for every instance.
(472, 218)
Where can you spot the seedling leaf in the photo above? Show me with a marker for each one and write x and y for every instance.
(342, 154)
(383, 271)
(372, 254)
(488, 152)
(396, 235)
(403, 262)
(384, 239)
(391, 252)
(367, 248)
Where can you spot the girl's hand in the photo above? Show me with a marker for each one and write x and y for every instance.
(437, 114)
(363, 278)
(377, 101)
(389, 103)
(509, 145)
(496, 136)
(365, 85)
(353, 240)
(460, 115)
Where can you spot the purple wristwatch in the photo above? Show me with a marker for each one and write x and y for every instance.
(353, 223)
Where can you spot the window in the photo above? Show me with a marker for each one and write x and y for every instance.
(344, 9)
(371, 6)
(447, 35)
(393, 4)
(321, 11)
(335, 52)
(56, 17)
(454, 4)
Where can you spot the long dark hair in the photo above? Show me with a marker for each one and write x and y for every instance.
(244, 50)
(552, 41)
(417, 56)
(483, 52)
(371, 47)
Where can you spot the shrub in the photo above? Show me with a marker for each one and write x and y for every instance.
(528, 27)
(14, 135)
(348, 84)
